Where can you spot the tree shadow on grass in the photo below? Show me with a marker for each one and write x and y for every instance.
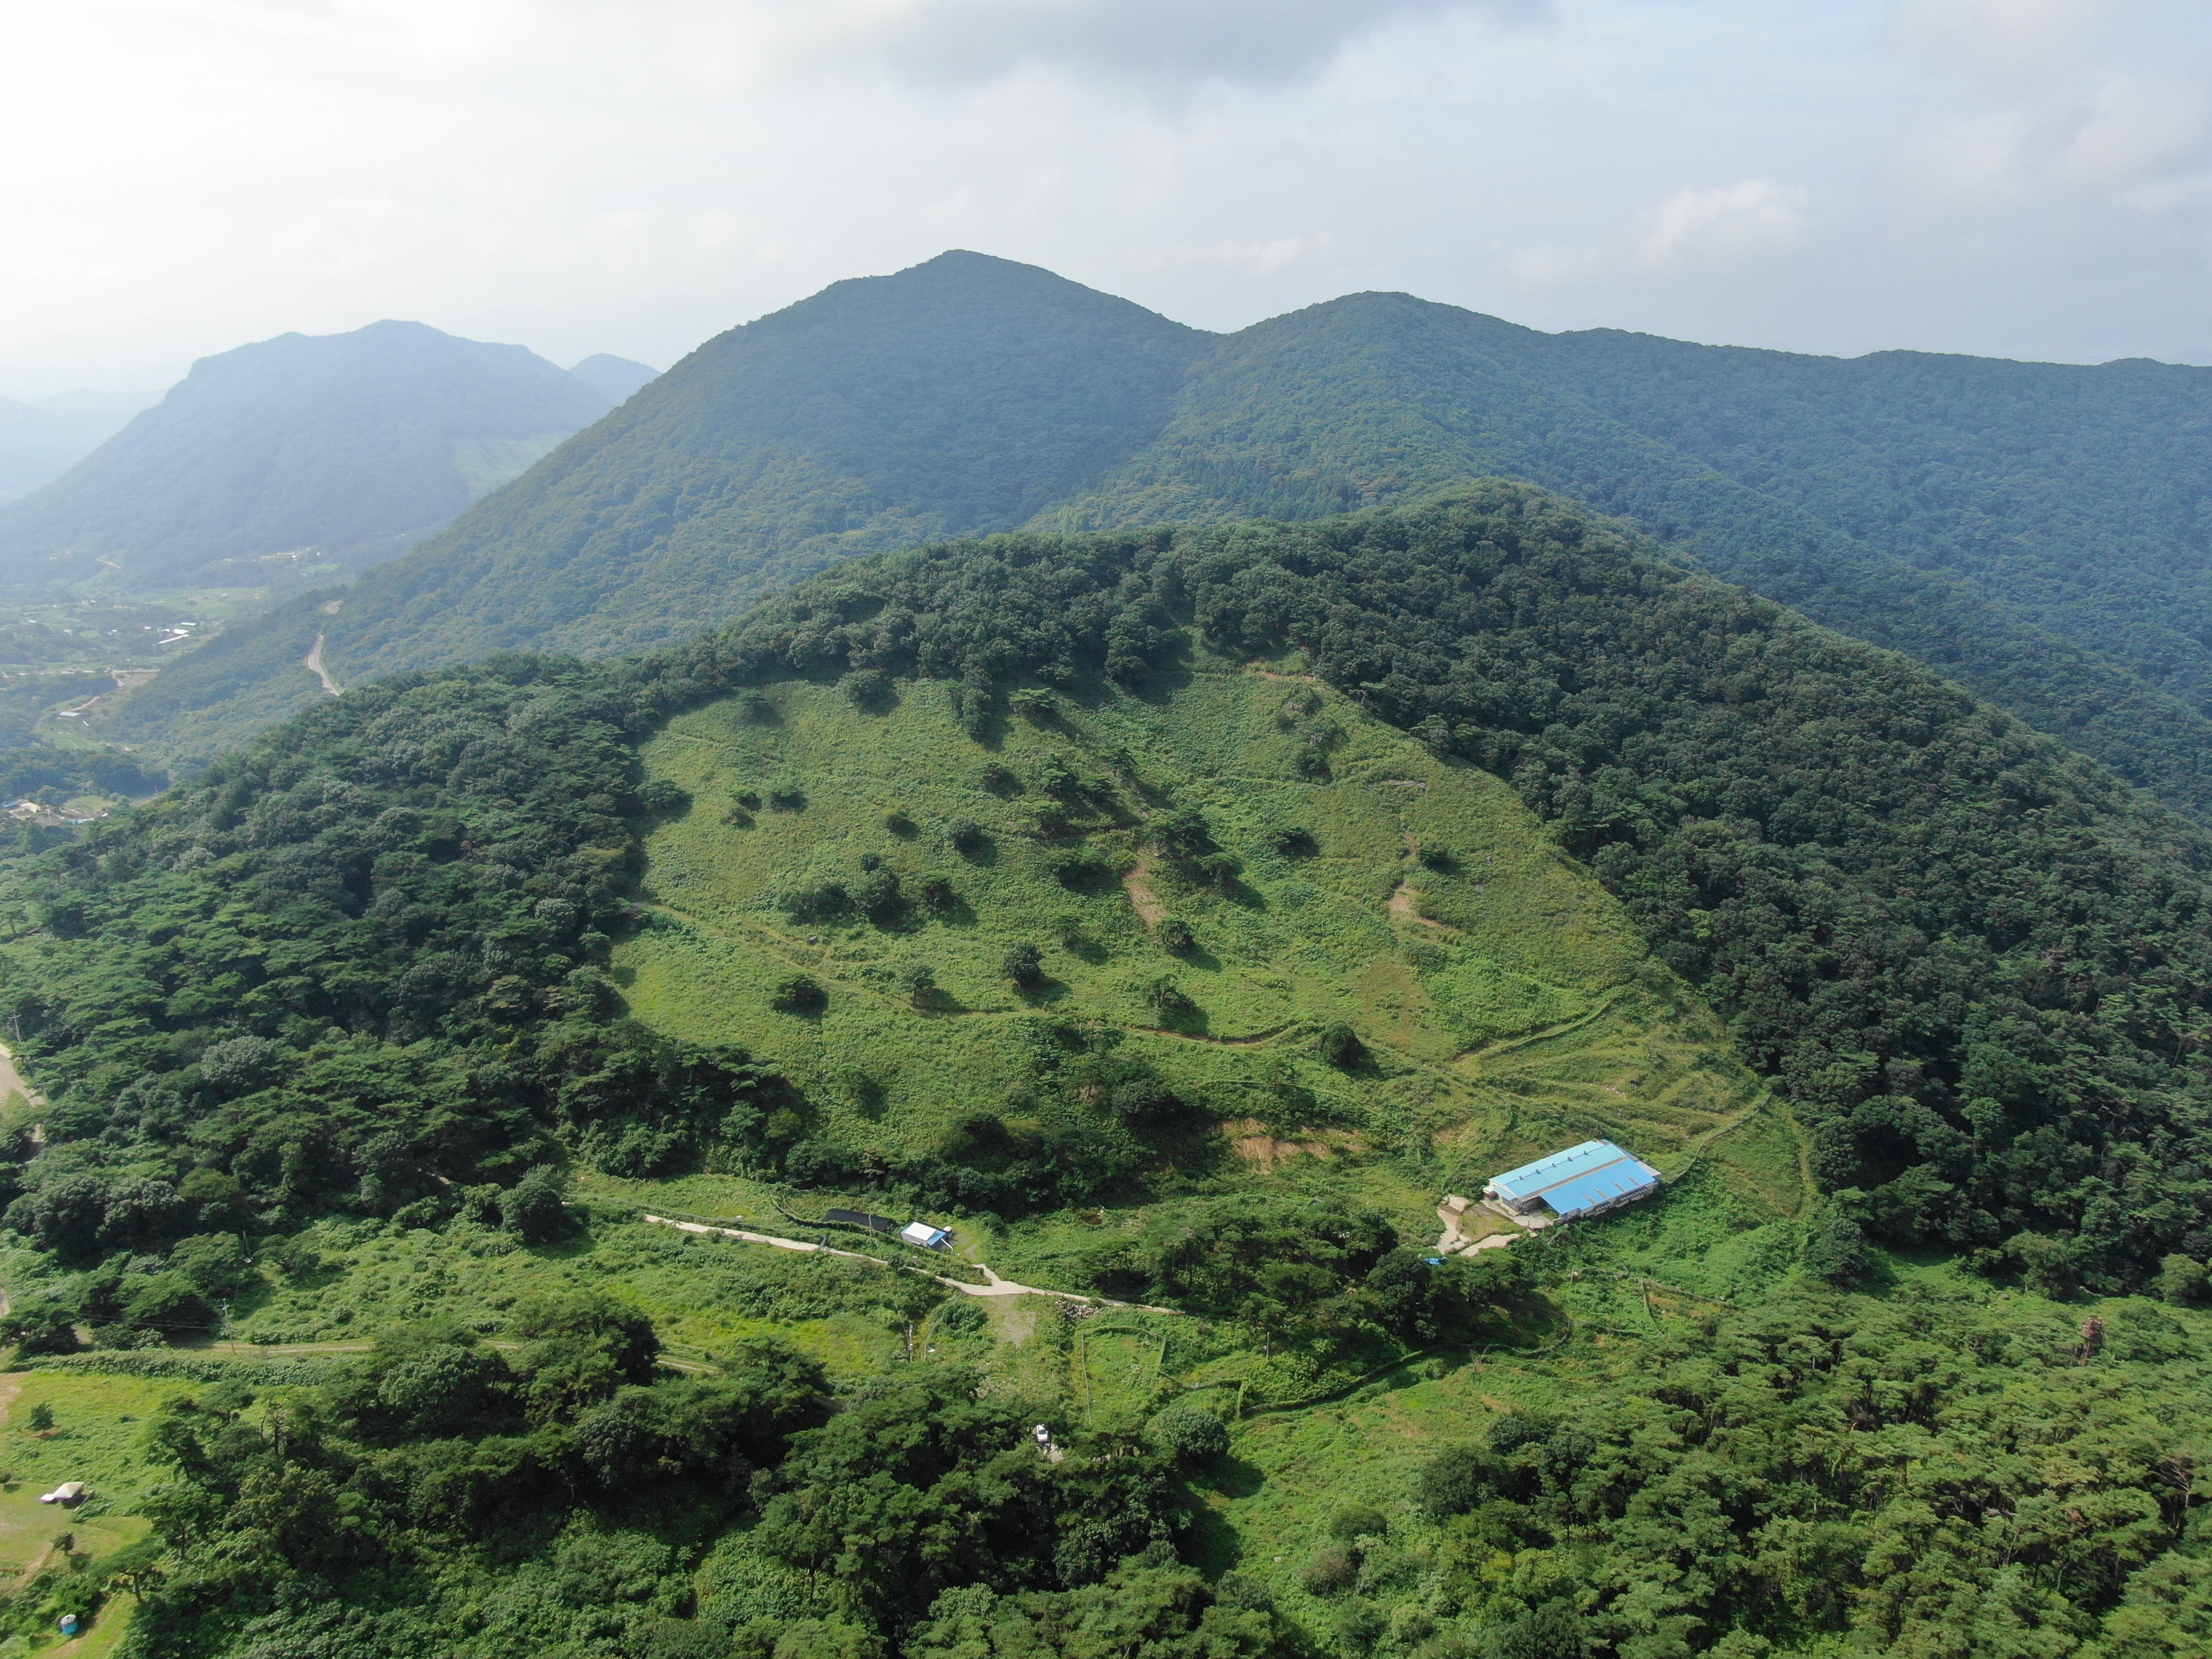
(1210, 1544)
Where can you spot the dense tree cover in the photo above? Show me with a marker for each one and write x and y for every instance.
(443, 1486)
(1827, 486)
(2012, 524)
(1975, 962)
(437, 1455)
(1316, 1270)
(2064, 491)
(1933, 1476)
(352, 446)
(357, 967)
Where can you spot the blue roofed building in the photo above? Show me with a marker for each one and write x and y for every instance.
(1585, 1180)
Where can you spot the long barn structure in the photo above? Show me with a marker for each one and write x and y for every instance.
(1582, 1181)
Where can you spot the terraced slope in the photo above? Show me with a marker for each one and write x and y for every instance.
(1503, 997)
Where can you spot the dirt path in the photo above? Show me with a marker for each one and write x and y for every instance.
(993, 1286)
(13, 1082)
(1509, 1044)
(1404, 899)
(1253, 1041)
(314, 661)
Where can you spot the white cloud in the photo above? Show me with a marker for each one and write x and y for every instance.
(1261, 258)
(1755, 216)
(2025, 176)
(1158, 43)
(2102, 102)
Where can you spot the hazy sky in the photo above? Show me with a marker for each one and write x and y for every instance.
(2022, 177)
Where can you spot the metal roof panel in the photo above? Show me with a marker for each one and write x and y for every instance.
(1587, 1191)
(1533, 1178)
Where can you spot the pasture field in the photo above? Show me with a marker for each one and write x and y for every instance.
(1503, 1002)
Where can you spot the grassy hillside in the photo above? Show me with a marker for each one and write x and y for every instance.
(293, 455)
(1504, 999)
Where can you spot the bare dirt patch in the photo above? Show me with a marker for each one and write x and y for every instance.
(13, 1082)
(1266, 1151)
(1138, 885)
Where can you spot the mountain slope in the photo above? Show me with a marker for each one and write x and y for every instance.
(35, 447)
(332, 451)
(2080, 497)
(1504, 1000)
(618, 378)
(1379, 397)
(1895, 497)
(1975, 962)
(40, 441)
(358, 993)
(961, 396)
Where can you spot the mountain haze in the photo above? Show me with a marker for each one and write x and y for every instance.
(334, 451)
(39, 441)
(617, 377)
(2036, 531)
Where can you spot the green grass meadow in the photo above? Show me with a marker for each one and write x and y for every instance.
(1505, 1003)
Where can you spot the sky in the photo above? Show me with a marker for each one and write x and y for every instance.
(2013, 177)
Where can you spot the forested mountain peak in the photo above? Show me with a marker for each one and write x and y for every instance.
(2037, 531)
(303, 451)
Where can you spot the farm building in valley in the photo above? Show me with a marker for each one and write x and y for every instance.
(1585, 1180)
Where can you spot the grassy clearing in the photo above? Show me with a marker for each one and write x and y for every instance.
(98, 1437)
(703, 1293)
(1504, 1001)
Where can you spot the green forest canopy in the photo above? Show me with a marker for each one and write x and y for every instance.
(1975, 962)
(356, 970)
(2014, 526)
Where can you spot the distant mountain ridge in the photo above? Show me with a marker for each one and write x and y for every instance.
(335, 450)
(40, 441)
(1942, 507)
(617, 377)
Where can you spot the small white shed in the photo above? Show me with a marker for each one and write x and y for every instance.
(929, 1237)
(69, 1492)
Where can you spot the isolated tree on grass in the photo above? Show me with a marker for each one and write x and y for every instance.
(1341, 1048)
(919, 980)
(1024, 965)
(535, 1208)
